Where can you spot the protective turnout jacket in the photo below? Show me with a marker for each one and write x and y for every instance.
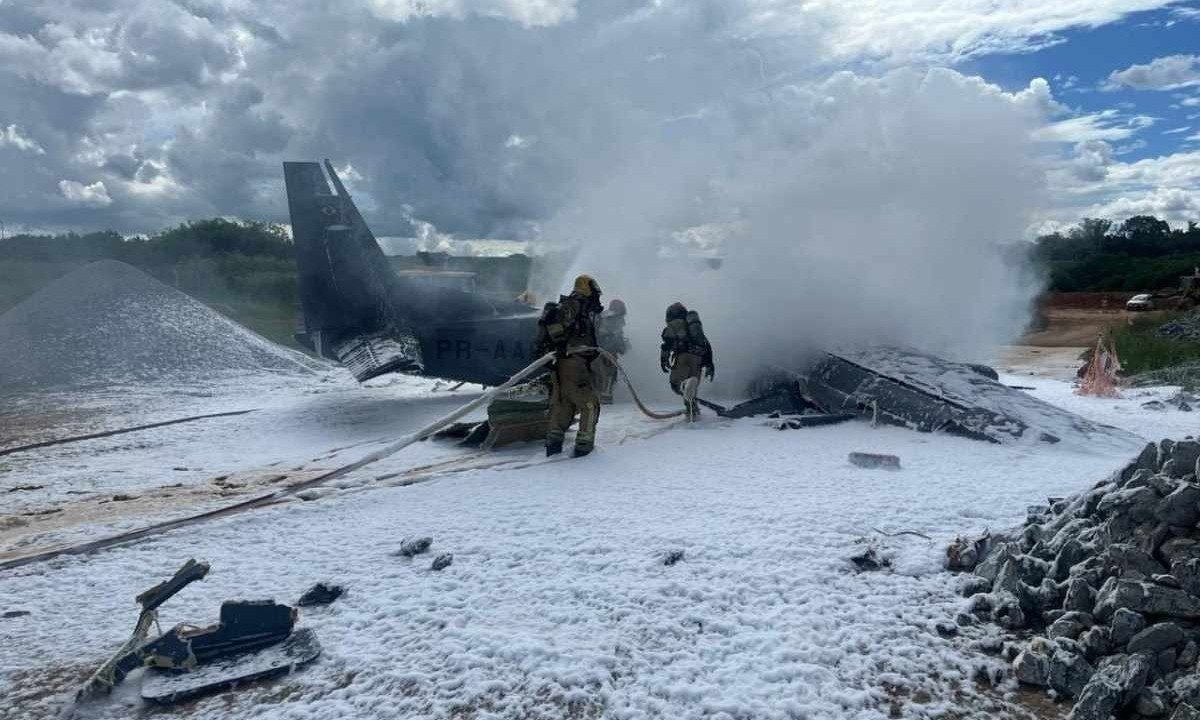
(567, 324)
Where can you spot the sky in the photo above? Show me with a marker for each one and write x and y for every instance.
(546, 119)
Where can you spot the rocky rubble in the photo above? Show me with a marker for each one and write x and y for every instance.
(1099, 593)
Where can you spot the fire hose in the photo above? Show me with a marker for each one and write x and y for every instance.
(393, 448)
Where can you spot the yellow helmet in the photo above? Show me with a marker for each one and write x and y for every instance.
(585, 285)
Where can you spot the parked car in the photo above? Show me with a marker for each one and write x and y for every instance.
(1139, 302)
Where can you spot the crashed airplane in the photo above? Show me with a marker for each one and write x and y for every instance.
(360, 313)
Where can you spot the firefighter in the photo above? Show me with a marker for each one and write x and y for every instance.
(686, 355)
(568, 327)
(611, 333)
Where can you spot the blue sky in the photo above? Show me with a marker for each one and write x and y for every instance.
(1079, 65)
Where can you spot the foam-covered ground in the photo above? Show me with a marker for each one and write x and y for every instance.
(557, 603)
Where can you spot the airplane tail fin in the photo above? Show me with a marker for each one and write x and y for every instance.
(344, 277)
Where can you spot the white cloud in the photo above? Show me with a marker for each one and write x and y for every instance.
(1165, 73)
(532, 13)
(1107, 125)
(94, 195)
(1092, 159)
(12, 136)
(1176, 131)
(1172, 204)
(907, 30)
(1167, 187)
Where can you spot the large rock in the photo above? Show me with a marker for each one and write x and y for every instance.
(1080, 597)
(1156, 638)
(1183, 711)
(1031, 668)
(1070, 554)
(1150, 703)
(1179, 549)
(1147, 598)
(1164, 452)
(1184, 454)
(1181, 507)
(1115, 684)
(1096, 642)
(1189, 653)
(1070, 625)
(1187, 572)
(1138, 504)
(1069, 673)
(1125, 625)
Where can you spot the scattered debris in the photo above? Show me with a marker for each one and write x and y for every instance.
(9, 614)
(38, 513)
(187, 661)
(869, 559)
(901, 533)
(315, 493)
(964, 554)
(22, 488)
(415, 546)
(1099, 377)
(672, 557)
(1182, 401)
(441, 562)
(874, 460)
(1108, 581)
(797, 422)
(320, 594)
(123, 498)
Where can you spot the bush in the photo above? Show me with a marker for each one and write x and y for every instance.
(1141, 350)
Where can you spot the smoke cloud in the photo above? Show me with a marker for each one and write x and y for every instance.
(846, 211)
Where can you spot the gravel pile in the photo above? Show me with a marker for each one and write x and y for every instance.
(1100, 592)
(109, 323)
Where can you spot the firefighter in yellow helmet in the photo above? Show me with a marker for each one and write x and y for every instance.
(567, 327)
(686, 354)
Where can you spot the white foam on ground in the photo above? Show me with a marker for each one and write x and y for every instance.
(556, 603)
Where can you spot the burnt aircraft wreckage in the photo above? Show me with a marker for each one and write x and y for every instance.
(360, 313)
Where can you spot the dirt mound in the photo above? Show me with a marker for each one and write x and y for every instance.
(109, 323)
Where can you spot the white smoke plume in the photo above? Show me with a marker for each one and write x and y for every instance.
(848, 211)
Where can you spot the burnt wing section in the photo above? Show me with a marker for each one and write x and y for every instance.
(929, 394)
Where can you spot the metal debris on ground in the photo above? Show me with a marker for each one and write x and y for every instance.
(414, 546)
(187, 660)
(874, 460)
(869, 559)
(321, 594)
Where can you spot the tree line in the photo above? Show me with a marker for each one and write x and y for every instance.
(1141, 253)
